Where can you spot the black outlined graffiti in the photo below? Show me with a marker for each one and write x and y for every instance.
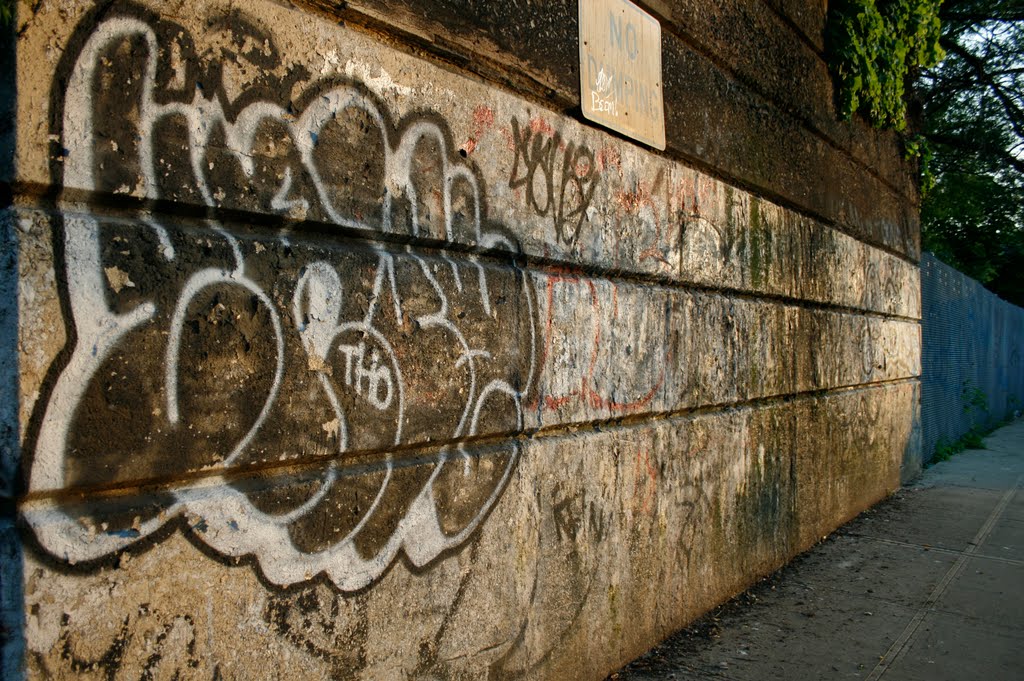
(575, 516)
(325, 624)
(559, 177)
(152, 644)
(205, 360)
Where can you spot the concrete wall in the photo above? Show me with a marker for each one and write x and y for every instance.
(971, 373)
(343, 348)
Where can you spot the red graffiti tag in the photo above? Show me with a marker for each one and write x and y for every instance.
(587, 391)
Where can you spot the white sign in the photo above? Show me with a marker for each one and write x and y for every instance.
(620, 69)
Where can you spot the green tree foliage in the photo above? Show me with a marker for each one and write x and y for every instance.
(965, 62)
(874, 45)
(971, 107)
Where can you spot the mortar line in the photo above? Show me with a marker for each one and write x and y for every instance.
(571, 109)
(253, 223)
(899, 647)
(679, 156)
(800, 33)
(462, 57)
(416, 453)
(550, 97)
(733, 73)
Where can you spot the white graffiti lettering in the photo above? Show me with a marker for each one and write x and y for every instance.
(373, 349)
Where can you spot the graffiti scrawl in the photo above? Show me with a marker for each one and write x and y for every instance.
(558, 177)
(264, 385)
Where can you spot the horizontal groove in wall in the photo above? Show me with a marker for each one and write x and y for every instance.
(424, 47)
(751, 84)
(125, 208)
(356, 17)
(412, 455)
(797, 30)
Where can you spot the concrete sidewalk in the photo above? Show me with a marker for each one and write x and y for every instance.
(927, 585)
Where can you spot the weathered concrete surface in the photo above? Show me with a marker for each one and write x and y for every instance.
(559, 190)
(756, 44)
(406, 375)
(594, 527)
(807, 17)
(924, 586)
(755, 111)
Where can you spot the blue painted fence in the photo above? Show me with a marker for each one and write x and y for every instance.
(971, 373)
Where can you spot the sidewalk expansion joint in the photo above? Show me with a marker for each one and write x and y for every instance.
(938, 549)
(902, 644)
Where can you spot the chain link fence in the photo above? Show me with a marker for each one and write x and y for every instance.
(971, 374)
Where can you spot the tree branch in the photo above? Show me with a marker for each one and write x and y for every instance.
(973, 146)
(1013, 112)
